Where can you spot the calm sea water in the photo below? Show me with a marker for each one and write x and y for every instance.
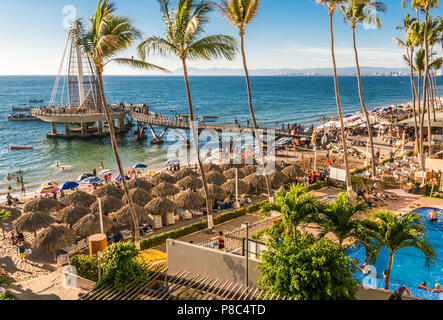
(286, 99)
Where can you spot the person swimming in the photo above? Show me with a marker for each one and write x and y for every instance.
(433, 216)
(423, 286)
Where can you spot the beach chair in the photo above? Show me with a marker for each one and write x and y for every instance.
(82, 245)
(126, 235)
(63, 259)
(117, 237)
(73, 249)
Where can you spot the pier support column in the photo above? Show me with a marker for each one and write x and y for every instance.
(53, 128)
(100, 127)
(157, 138)
(120, 124)
(68, 129)
(83, 127)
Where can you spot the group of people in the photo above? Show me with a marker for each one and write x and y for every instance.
(371, 198)
(314, 177)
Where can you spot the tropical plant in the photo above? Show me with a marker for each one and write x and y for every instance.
(120, 268)
(395, 233)
(305, 269)
(7, 296)
(4, 215)
(363, 12)
(86, 266)
(185, 27)
(109, 34)
(296, 207)
(241, 13)
(340, 218)
(332, 7)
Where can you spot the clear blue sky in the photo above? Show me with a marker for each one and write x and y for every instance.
(286, 34)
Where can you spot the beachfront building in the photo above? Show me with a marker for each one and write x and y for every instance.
(76, 101)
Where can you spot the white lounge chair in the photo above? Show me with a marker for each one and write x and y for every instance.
(63, 259)
(82, 245)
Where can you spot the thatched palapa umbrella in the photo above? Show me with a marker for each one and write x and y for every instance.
(293, 172)
(230, 174)
(140, 183)
(256, 182)
(185, 172)
(109, 204)
(42, 205)
(278, 178)
(189, 200)
(164, 189)
(160, 206)
(80, 198)
(190, 182)
(33, 221)
(139, 196)
(90, 224)
(212, 167)
(108, 190)
(249, 169)
(53, 238)
(225, 167)
(124, 214)
(216, 178)
(71, 214)
(229, 187)
(163, 177)
(215, 192)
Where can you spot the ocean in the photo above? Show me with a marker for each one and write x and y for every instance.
(303, 100)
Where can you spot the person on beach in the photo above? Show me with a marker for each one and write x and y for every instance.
(221, 241)
(423, 286)
(102, 165)
(23, 190)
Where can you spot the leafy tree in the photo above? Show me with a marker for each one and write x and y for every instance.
(120, 268)
(305, 269)
(395, 233)
(86, 266)
(4, 215)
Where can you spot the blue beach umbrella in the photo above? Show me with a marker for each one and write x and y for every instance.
(69, 185)
(140, 166)
(348, 116)
(84, 176)
(387, 109)
(173, 161)
(92, 180)
(118, 178)
(105, 172)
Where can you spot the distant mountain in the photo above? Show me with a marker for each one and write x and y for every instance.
(295, 72)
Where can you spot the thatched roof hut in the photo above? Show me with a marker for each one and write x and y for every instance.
(53, 238)
(293, 172)
(160, 206)
(225, 167)
(71, 214)
(140, 183)
(80, 198)
(14, 214)
(216, 178)
(256, 182)
(249, 169)
(109, 204)
(163, 177)
(185, 172)
(90, 224)
(229, 187)
(215, 192)
(42, 204)
(139, 196)
(230, 174)
(124, 214)
(212, 167)
(33, 221)
(108, 190)
(278, 178)
(164, 189)
(189, 200)
(190, 182)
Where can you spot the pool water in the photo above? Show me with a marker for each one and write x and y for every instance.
(409, 263)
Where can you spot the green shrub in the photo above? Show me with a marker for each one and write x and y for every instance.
(7, 296)
(87, 266)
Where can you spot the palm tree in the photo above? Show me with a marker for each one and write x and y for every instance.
(360, 11)
(184, 29)
(296, 206)
(108, 35)
(332, 7)
(395, 233)
(240, 13)
(340, 218)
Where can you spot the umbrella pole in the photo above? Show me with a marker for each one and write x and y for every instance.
(100, 213)
(237, 204)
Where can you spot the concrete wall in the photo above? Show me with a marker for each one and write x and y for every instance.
(377, 294)
(434, 164)
(220, 265)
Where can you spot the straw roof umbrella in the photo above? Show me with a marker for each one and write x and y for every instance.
(164, 189)
(79, 198)
(225, 167)
(163, 177)
(90, 224)
(229, 187)
(293, 172)
(53, 238)
(215, 192)
(185, 172)
(216, 178)
(140, 183)
(212, 167)
(160, 206)
(189, 200)
(33, 221)
(71, 214)
(139, 196)
(230, 174)
(278, 178)
(43, 205)
(190, 182)
(249, 169)
(108, 190)
(256, 182)
(124, 214)
(109, 204)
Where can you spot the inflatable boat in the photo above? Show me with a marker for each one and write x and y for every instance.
(20, 147)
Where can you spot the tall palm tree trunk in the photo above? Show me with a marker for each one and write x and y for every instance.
(365, 111)
(425, 84)
(197, 148)
(413, 89)
(388, 271)
(134, 216)
(254, 120)
(421, 128)
(337, 96)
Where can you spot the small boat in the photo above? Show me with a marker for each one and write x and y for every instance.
(36, 101)
(20, 147)
(209, 118)
(22, 117)
(20, 108)
(172, 110)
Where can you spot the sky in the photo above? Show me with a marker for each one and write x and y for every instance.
(286, 34)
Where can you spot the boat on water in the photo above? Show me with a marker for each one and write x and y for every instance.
(36, 100)
(209, 118)
(22, 117)
(24, 107)
(20, 147)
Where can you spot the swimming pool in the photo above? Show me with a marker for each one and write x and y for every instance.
(409, 263)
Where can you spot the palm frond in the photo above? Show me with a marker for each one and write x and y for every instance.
(215, 46)
(138, 64)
